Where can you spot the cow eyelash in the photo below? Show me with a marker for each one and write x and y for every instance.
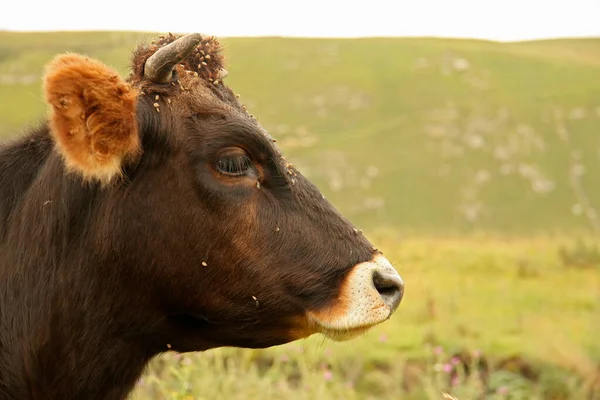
(235, 165)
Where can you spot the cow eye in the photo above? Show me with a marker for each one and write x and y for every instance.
(234, 163)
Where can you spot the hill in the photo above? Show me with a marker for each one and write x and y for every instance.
(432, 135)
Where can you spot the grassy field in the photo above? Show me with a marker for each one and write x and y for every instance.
(425, 143)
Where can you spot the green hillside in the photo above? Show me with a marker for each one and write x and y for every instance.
(417, 134)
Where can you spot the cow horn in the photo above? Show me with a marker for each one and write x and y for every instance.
(159, 67)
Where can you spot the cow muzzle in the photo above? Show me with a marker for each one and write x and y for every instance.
(369, 296)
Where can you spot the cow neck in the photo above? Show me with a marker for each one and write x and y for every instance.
(90, 361)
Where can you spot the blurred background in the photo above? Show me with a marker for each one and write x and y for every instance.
(462, 136)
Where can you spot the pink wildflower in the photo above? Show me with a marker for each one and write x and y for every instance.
(502, 390)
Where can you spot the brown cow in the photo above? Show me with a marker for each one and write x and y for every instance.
(155, 213)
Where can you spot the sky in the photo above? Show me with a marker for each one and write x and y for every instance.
(501, 20)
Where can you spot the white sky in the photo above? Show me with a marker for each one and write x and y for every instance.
(502, 20)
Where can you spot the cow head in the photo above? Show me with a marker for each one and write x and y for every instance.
(215, 239)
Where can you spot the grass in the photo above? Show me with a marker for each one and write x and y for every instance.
(433, 135)
(509, 303)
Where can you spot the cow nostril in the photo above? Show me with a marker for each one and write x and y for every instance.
(390, 288)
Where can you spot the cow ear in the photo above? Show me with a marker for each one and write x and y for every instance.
(92, 116)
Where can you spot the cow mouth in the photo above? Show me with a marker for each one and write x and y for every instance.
(342, 332)
(368, 297)
(341, 335)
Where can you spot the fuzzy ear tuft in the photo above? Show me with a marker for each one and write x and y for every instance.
(92, 117)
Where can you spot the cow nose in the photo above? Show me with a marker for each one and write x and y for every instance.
(390, 287)
(369, 296)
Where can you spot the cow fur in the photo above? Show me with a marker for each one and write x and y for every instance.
(92, 116)
(97, 279)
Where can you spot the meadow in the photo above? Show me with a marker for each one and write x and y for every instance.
(471, 164)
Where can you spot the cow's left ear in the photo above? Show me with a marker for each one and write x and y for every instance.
(92, 116)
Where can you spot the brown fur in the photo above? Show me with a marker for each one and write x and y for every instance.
(197, 88)
(92, 117)
(100, 279)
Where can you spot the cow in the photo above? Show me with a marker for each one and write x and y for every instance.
(153, 213)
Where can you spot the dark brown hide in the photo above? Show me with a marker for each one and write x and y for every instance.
(96, 280)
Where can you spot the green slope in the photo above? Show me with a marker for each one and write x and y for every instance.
(418, 134)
